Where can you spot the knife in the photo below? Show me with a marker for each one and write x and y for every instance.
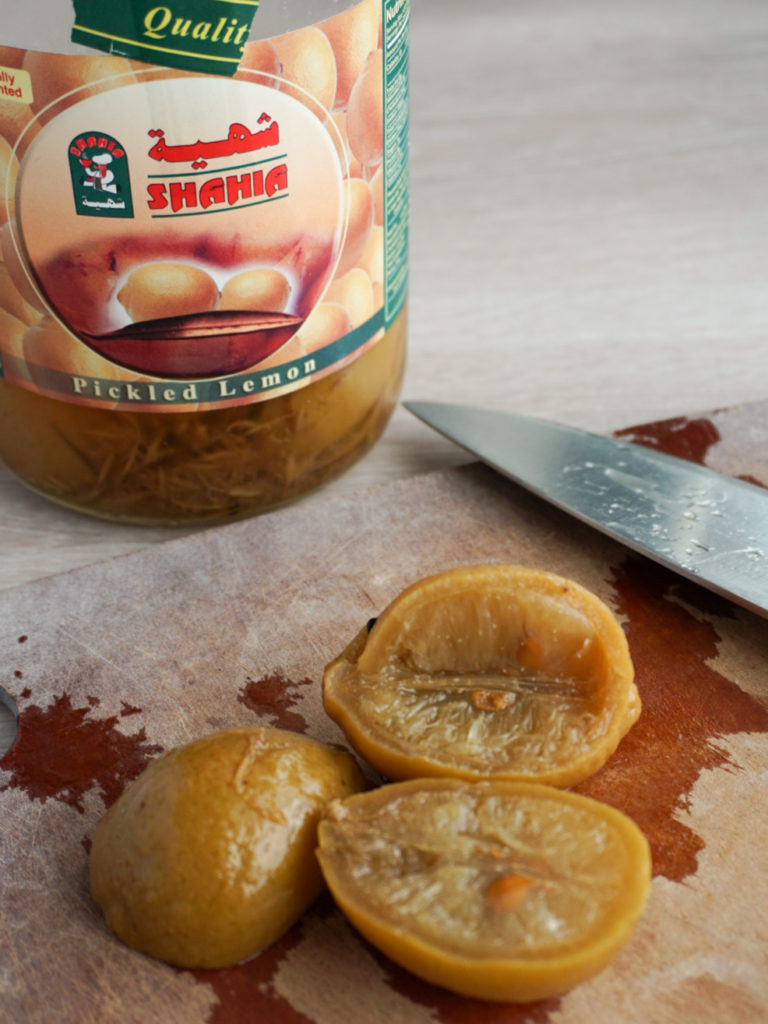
(704, 525)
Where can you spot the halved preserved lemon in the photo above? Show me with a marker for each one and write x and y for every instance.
(487, 671)
(209, 855)
(506, 891)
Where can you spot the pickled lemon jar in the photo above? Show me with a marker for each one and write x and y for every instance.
(204, 226)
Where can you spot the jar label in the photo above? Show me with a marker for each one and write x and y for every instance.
(208, 36)
(175, 240)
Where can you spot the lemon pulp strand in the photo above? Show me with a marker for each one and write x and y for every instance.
(465, 717)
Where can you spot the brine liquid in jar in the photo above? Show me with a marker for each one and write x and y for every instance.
(204, 220)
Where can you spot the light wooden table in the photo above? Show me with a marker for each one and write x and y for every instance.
(589, 232)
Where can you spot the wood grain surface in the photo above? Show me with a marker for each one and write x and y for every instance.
(112, 664)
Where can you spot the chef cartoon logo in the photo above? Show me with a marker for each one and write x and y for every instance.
(101, 184)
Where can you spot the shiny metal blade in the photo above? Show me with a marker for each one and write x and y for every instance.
(710, 528)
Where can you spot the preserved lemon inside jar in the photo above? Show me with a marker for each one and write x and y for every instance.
(200, 323)
(183, 467)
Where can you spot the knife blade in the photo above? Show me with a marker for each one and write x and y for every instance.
(704, 525)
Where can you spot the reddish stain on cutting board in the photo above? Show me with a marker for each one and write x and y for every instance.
(273, 698)
(687, 438)
(687, 708)
(61, 752)
(452, 1009)
(749, 479)
(246, 993)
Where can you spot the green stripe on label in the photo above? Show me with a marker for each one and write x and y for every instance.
(396, 88)
(206, 36)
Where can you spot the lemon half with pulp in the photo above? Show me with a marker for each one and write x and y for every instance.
(487, 671)
(505, 891)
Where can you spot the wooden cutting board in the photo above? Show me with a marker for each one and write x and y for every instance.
(112, 664)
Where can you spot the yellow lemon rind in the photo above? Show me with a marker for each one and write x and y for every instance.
(208, 856)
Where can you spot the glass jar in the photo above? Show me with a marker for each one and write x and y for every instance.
(204, 276)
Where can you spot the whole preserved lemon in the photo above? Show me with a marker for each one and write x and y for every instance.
(154, 467)
(208, 857)
(504, 891)
(487, 671)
